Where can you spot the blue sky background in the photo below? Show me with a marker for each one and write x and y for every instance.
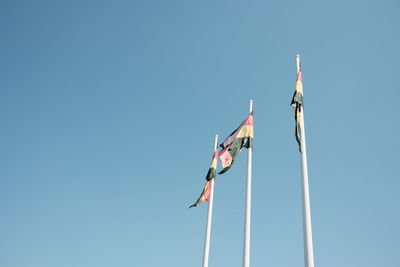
(108, 111)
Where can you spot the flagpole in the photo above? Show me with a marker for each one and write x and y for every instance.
(209, 216)
(246, 245)
(307, 229)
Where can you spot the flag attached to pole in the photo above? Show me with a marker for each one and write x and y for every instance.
(211, 174)
(297, 103)
(240, 138)
(205, 195)
(212, 171)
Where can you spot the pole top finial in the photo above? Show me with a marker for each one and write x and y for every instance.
(216, 141)
(298, 63)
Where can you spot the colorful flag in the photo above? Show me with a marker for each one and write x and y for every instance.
(212, 171)
(211, 174)
(297, 103)
(240, 138)
(205, 195)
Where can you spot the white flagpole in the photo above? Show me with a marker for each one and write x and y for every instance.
(246, 245)
(209, 216)
(307, 230)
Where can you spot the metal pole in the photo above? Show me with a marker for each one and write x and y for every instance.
(246, 246)
(307, 229)
(209, 216)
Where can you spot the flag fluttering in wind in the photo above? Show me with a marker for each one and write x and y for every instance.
(212, 171)
(297, 103)
(211, 174)
(205, 195)
(240, 138)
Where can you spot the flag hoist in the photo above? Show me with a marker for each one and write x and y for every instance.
(208, 195)
(241, 138)
(297, 104)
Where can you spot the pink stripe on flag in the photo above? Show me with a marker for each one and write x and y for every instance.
(224, 156)
(299, 77)
(215, 155)
(249, 121)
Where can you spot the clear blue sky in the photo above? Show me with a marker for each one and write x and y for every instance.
(108, 111)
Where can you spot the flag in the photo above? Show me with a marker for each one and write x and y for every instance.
(297, 103)
(212, 171)
(211, 174)
(240, 138)
(205, 195)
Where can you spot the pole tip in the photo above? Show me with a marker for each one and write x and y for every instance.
(297, 55)
(250, 106)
